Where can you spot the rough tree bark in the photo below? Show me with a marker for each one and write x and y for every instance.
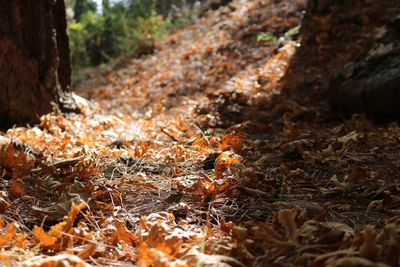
(35, 70)
(371, 84)
(212, 5)
(350, 55)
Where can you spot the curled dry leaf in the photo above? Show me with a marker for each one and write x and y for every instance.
(265, 232)
(75, 209)
(288, 219)
(331, 257)
(88, 250)
(124, 234)
(44, 239)
(162, 240)
(369, 248)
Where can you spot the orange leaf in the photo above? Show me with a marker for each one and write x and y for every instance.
(5, 259)
(17, 188)
(57, 230)
(9, 160)
(124, 234)
(21, 241)
(226, 226)
(75, 209)
(45, 239)
(224, 161)
(9, 235)
(2, 222)
(231, 141)
(88, 250)
(103, 206)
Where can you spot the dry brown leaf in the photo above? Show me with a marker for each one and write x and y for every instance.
(322, 259)
(335, 230)
(348, 138)
(239, 233)
(353, 261)
(234, 78)
(264, 232)
(288, 219)
(4, 205)
(369, 248)
(17, 187)
(357, 173)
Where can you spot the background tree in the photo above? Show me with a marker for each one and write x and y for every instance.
(122, 29)
(35, 67)
(82, 6)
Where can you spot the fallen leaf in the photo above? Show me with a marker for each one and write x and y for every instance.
(11, 230)
(43, 238)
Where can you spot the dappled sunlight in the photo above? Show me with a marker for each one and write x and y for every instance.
(216, 150)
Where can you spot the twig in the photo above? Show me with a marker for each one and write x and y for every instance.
(169, 135)
(66, 163)
(205, 137)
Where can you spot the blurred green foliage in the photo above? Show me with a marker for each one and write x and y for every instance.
(267, 37)
(121, 28)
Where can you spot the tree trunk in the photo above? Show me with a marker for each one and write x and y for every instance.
(371, 83)
(212, 5)
(349, 55)
(35, 70)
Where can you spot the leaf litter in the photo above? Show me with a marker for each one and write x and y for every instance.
(203, 154)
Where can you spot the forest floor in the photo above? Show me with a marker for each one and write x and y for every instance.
(218, 149)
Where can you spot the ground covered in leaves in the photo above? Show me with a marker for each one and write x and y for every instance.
(218, 150)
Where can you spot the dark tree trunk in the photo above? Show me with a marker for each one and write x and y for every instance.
(371, 84)
(35, 67)
(212, 5)
(349, 55)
